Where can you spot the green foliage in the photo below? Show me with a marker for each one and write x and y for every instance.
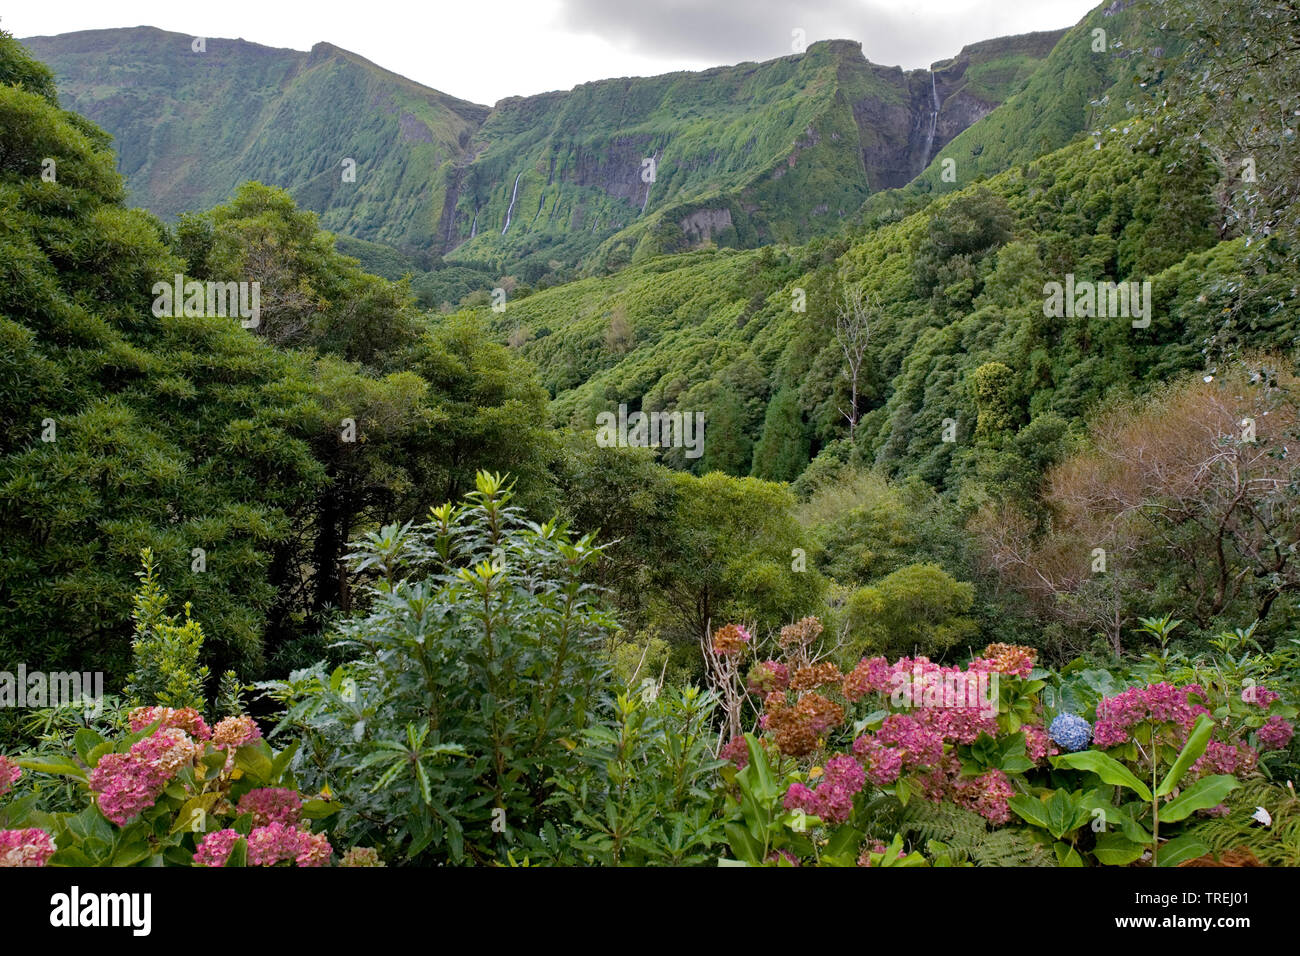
(645, 796)
(782, 452)
(965, 834)
(272, 115)
(166, 671)
(919, 608)
(476, 664)
(732, 556)
(197, 787)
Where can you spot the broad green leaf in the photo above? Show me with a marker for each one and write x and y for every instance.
(1030, 810)
(1180, 850)
(1067, 855)
(131, 854)
(1106, 767)
(743, 844)
(1114, 849)
(84, 741)
(767, 788)
(1206, 792)
(55, 765)
(252, 760)
(1197, 741)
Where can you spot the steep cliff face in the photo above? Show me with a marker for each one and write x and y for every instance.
(604, 174)
(189, 126)
(774, 151)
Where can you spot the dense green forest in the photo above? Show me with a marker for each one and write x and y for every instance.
(374, 569)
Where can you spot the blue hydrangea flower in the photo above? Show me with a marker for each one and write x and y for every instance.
(1070, 731)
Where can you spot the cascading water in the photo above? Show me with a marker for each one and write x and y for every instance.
(646, 202)
(473, 229)
(513, 196)
(934, 119)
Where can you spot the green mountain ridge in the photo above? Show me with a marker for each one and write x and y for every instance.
(747, 154)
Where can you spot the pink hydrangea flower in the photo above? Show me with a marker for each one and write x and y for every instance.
(988, 795)
(277, 843)
(185, 718)
(313, 849)
(214, 849)
(737, 751)
(1160, 703)
(1038, 744)
(235, 732)
(1254, 694)
(272, 805)
(128, 784)
(30, 847)
(883, 764)
(9, 774)
(1276, 734)
(1225, 758)
(921, 746)
(871, 675)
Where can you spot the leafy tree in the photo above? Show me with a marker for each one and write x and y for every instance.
(166, 652)
(782, 452)
(732, 558)
(918, 609)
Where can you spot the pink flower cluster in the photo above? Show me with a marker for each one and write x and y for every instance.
(1225, 758)
(267, 846)
(1038, 744)
(130, 783)
(735, 750)
(185, 718)
(730, 640)
(1276, 734)
(9, 774)
(29, 847)
(1262, 696)
(768, 676)
(1159, 704)
(921, 745)
(236, 732)
(832, 801)
(988, 795)
(272, 805)
(883, 764)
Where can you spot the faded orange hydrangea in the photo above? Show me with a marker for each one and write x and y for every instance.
(729, 640)
(798, 729)
(818, 675)
(801, 633)
(1013, 659)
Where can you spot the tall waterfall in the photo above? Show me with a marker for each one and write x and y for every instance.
(514, 195)
(934, 119)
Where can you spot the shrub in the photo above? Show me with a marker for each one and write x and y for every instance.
(473, 670)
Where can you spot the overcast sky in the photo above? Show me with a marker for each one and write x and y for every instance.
(483, 50)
